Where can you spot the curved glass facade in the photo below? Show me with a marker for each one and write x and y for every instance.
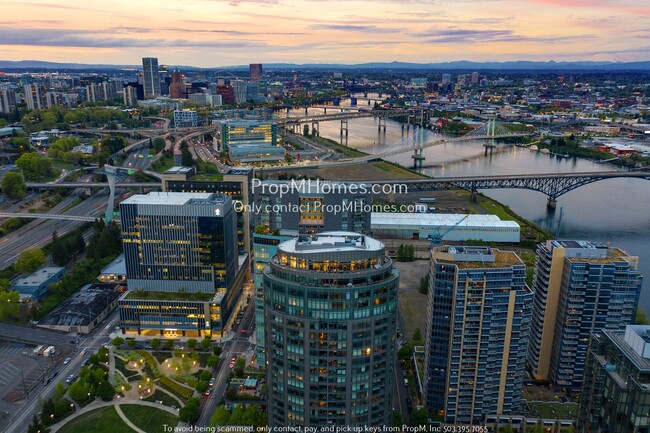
(330, 324)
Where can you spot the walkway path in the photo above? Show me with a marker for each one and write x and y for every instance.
(97, 404)
(126, 420)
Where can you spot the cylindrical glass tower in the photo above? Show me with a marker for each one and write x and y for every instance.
(330, 326)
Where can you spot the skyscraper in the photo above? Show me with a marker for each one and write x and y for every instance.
(151, 77)
(579, 287)
(615, 395)
(181, 262)
(330, 320)
(176, 88)
(255, 71)
(478, 319)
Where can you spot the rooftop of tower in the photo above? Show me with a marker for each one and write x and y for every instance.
(331, 241)
(176, 198)
(475, 257)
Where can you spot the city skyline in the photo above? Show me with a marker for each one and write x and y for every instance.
(216, 33)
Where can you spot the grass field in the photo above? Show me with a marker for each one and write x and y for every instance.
(148, 418)
(105, 420)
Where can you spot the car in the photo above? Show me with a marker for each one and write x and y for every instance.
(53, 375)
(208, 392)
(233, 359)
(74, 341)
(212, 381)
(70, 378)
(232, 364)
(406, 382)
(67, 361)
(46, 381)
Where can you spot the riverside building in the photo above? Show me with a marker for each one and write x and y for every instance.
(478, 319)
(330, 318)
(579, 287)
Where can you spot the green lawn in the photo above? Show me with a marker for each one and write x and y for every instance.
(159, 395)
(148, 418)
(553, 410)
(105, 420)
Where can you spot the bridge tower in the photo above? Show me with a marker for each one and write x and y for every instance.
(489, 141)
(315, 130)
(381, 123)
(344, 127)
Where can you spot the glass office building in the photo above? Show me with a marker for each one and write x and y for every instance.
(615, 395)
(181, 262)
(330, 318)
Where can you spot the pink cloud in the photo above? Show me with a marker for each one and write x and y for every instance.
(603, 4)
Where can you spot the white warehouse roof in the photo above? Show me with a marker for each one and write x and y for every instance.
(427, 220)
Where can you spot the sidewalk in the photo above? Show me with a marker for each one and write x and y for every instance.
(98, 404)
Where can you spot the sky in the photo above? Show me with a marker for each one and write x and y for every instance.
(212, 33)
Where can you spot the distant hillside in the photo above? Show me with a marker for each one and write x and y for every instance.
(402, 66)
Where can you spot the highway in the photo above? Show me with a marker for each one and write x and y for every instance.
(38, 233)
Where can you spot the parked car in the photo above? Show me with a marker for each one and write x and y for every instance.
(67, 361)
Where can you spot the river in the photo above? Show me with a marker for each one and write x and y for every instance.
(616, 211)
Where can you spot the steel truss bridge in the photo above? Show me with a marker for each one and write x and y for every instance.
(553, 185)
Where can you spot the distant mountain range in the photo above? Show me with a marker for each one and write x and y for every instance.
(463, 65)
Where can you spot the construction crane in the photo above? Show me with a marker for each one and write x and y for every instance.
(437, 235)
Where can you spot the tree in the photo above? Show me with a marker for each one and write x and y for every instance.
(220, 417)
(417, 336)
(131, 344)
(205, 375)
(191, 343)
(212, 361)
(190, 412)
(105, 391)
(305, 130)
(117, 341)
(186, 157)
(253, 416)
(217, 351)
(205, 343)
(240, 364)
(13, 185)
(79, 391)
(405, 352)
(424, 284)
(397, 421)
(155, 343)
(419, 417)
(29, 260)
(201, 386)
(237, 417)
(59, 250)
(34, 165)
(9, 304)
(169, 344)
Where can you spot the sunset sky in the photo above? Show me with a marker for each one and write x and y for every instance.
(210, 33)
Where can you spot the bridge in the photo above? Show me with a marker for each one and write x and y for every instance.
(49, 216)
(553, 185)
(94, 185)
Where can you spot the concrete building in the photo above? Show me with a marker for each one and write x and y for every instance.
(255, 72)
(615, 395)
(177, 87)
(34, 96)
(182, 267)
(36, 285)
(478, 320)
(151, 77)
(237, 183)
(311, 206)
(114, 272)
(330, 319)
(488, 228)
(84, 310)
(580, 287)
(239, 91)
(7, 100)
(251, 132)
(185, 118)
